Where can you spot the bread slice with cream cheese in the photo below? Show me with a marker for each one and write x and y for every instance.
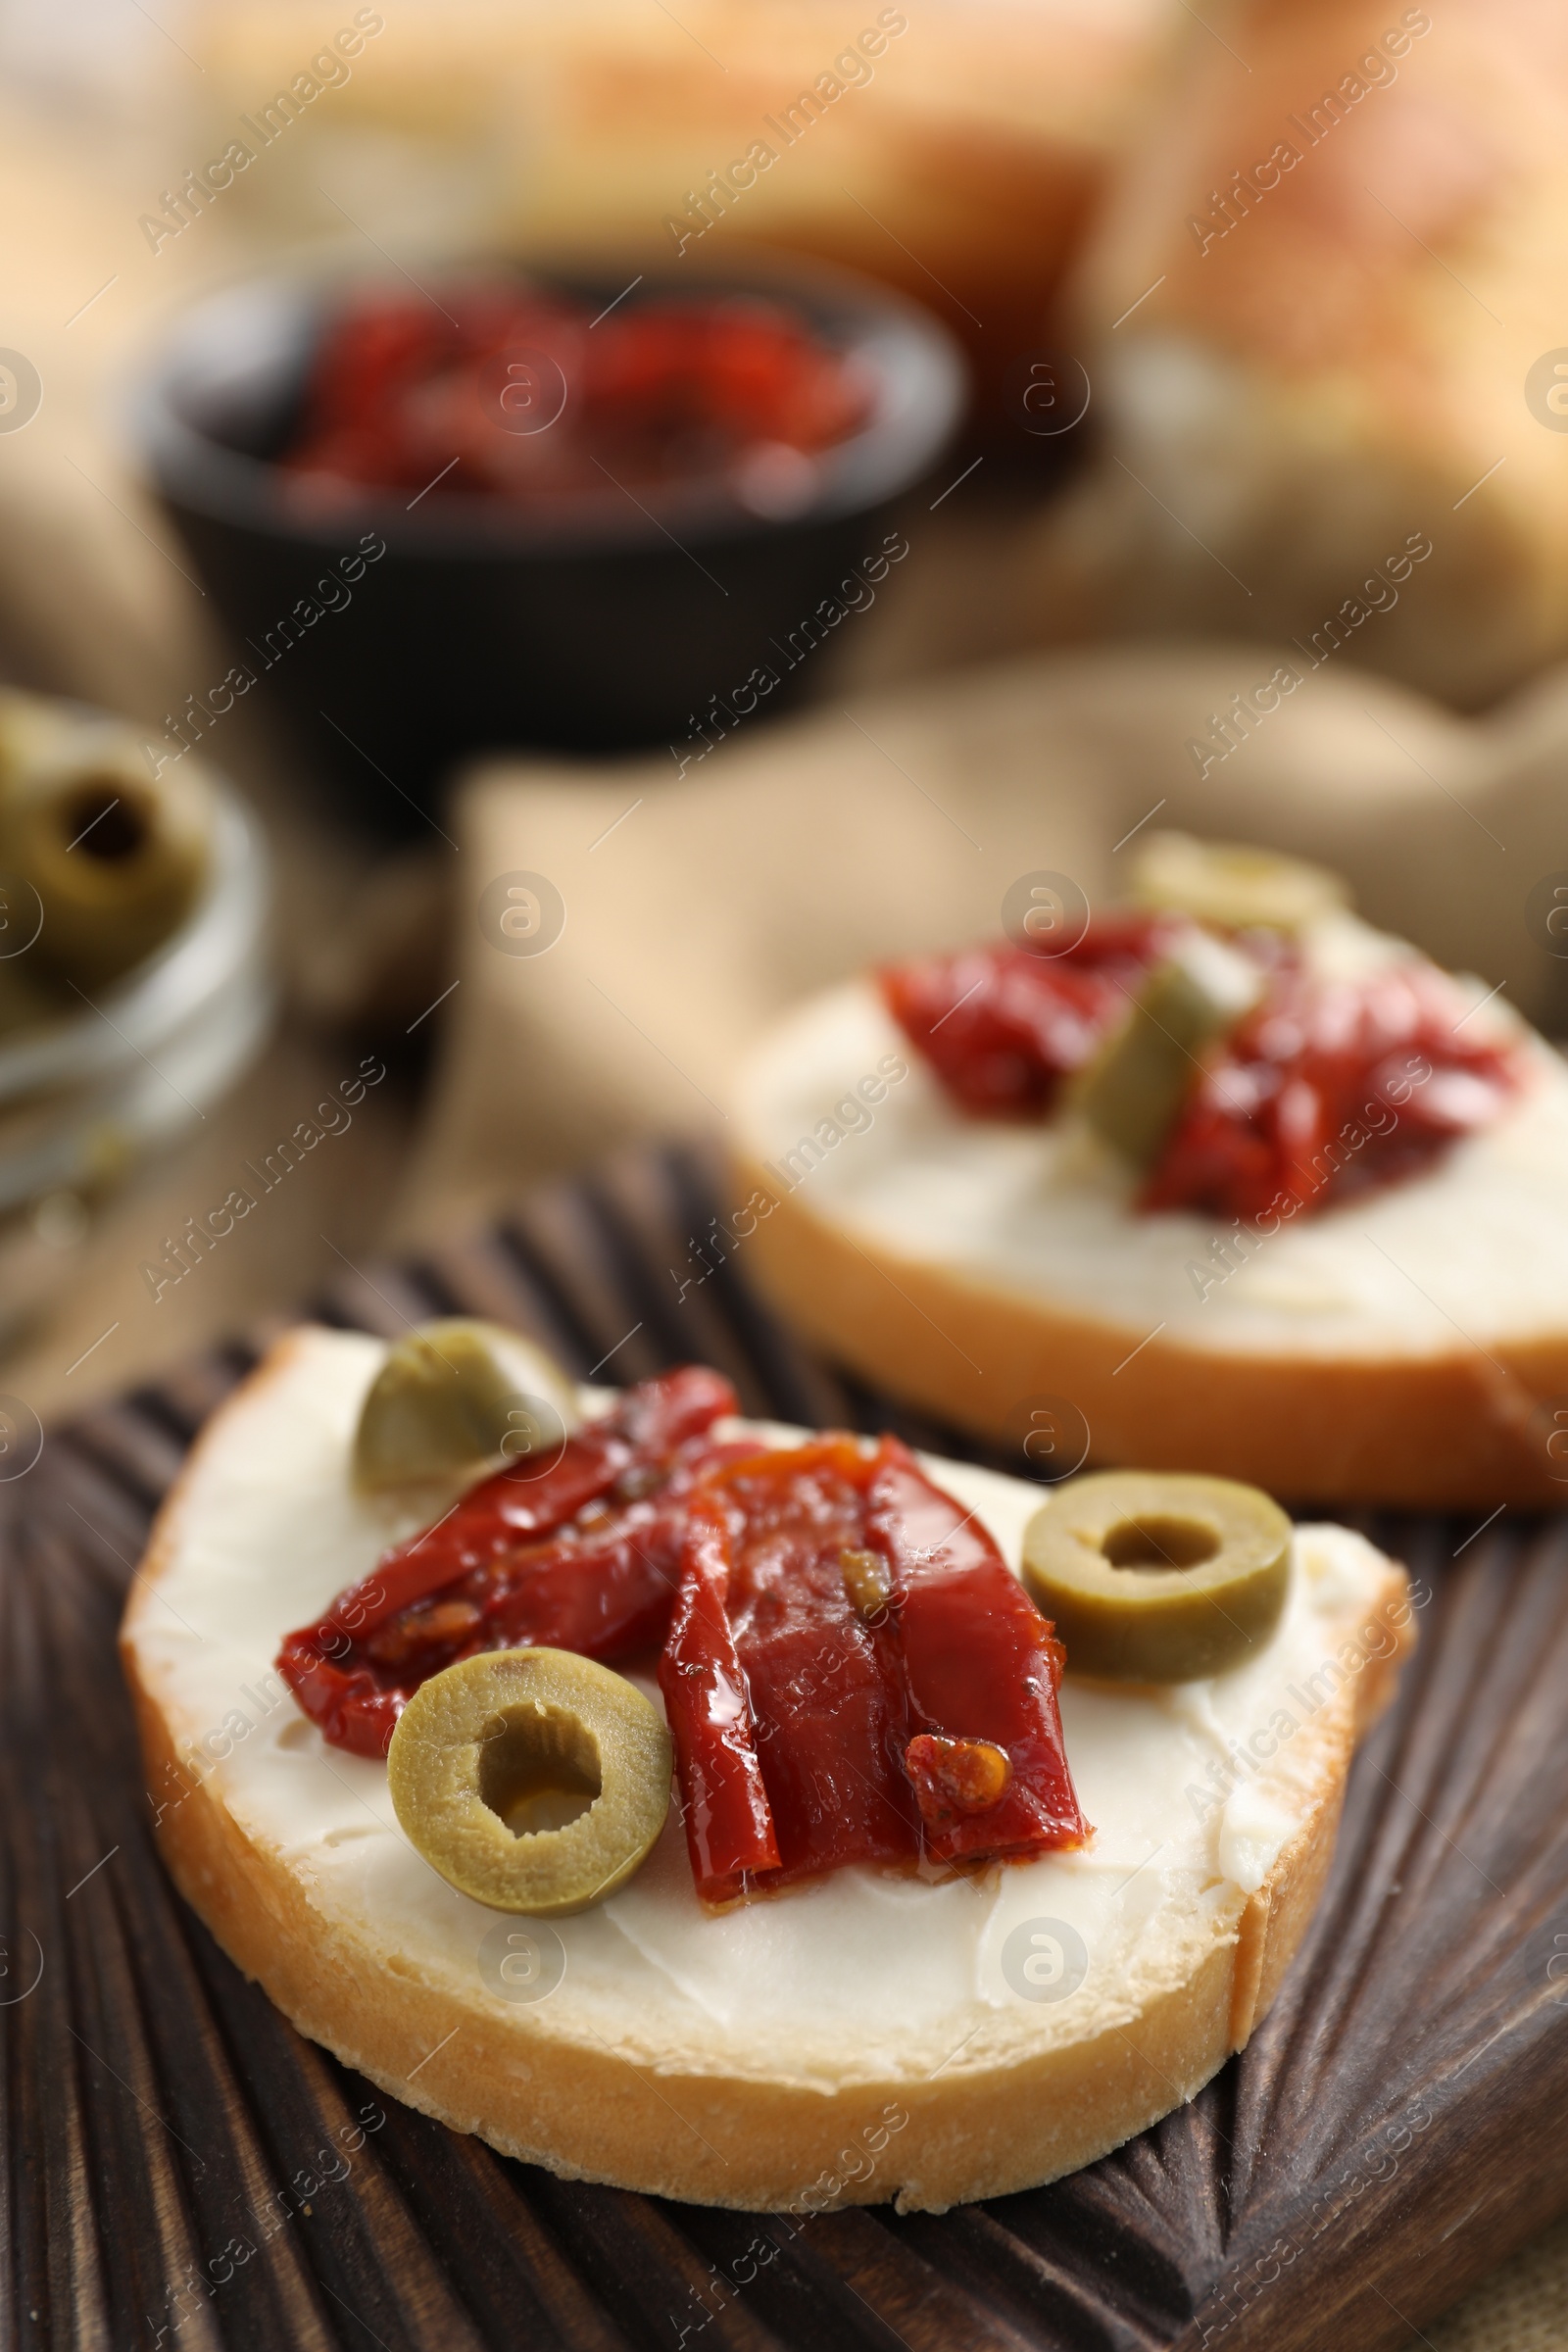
(1408, 1345)
(867, 2037)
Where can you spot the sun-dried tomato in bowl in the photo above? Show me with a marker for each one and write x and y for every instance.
(494, 386)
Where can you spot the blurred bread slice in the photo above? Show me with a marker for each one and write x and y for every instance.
(961, 161)
(1311, 315)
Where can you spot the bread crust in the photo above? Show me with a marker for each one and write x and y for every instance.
(1453, 1431)
(971, 2129)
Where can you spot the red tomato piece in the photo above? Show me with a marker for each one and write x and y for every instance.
(978, 1660)
(1329, 1089)
(729, 1822)
(584, 1555)
(1001, 1026)
(659, 391)
(834, 1702)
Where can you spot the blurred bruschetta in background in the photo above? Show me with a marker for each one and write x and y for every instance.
(1322, 312)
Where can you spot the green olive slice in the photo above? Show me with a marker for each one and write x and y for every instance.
(1156, 1575)
(457, 1393)
(1132, 1091)
(115, 855)
(1234, 886)
(532, 1780)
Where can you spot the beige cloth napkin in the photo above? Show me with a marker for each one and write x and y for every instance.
(696, 908)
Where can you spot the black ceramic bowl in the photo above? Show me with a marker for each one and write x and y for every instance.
(608, 627)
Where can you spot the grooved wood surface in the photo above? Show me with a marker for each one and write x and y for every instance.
(181, 2169)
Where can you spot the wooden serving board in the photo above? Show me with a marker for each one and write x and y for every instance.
(181, 2169)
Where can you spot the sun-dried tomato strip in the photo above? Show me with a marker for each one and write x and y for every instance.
(820, 1700)
(979, 1661)
(513, 1564)
(501, 1513)
(729, 1823)
(1004, 1026)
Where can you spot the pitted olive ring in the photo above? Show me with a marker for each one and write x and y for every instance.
(1158, 1576)
(489, 1756)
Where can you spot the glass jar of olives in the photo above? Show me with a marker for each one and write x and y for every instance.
(133, 979)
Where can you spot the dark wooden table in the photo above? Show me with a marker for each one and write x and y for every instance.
(181, 2169)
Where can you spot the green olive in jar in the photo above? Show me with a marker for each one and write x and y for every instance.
(117, 856)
